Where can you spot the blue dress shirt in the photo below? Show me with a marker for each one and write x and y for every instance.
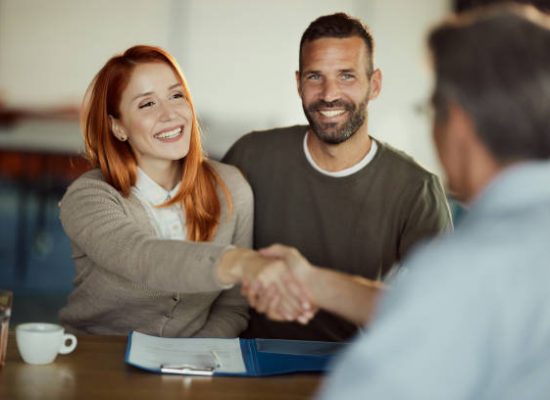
(470, 317)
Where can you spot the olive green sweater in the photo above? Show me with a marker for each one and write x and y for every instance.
(128, 279)
(361, 224)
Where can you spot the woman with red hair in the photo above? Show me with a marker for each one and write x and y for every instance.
(153, 224)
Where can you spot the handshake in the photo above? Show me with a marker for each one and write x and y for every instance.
(277, 281)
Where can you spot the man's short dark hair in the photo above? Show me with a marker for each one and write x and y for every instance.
(494, 62)
(339, 25)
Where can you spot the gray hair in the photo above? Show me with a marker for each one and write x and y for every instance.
(495, 63)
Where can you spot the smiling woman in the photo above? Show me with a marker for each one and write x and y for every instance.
(156, 119)
(152, 226)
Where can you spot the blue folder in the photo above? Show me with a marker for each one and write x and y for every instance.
(261, 357)
(264, 357)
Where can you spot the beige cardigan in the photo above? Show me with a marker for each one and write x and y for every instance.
(128, 279)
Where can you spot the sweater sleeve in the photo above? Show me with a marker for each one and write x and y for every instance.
(427, 216)
(98, 221)
(229, 313)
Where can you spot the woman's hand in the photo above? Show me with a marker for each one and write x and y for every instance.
(285, 296)
(267, 283)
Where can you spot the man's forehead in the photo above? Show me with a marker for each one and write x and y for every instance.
(334, 53)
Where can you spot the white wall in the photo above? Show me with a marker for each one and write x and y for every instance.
(400, 28)
(50, 50)
(239, 57)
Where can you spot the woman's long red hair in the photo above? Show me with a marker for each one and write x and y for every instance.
(118, 164)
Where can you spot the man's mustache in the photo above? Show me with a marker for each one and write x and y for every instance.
(322, 104)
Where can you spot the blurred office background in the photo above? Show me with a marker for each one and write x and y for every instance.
(239, 57)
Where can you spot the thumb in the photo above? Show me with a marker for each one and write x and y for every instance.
(274, 251)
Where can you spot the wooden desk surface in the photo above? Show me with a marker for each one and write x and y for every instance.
(96, 370)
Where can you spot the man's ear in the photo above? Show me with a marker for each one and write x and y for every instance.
(466, 131)
(461, 122)
(299, 83)
(117, 130)
(375, 84)
(478, 165)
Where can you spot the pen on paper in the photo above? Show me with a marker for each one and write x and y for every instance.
(186, 370)
(217, 358)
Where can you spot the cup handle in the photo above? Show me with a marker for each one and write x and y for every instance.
(67, 348)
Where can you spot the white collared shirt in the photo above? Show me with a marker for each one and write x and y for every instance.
(169, 222)
(345, 172)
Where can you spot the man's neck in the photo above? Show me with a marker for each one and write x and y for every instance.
(481, 175)
(333, 158)
(475, 171)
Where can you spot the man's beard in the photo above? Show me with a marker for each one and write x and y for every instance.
(336, 133)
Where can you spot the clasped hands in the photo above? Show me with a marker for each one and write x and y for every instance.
(274, 281)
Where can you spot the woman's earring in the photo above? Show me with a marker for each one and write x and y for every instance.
(120, 136)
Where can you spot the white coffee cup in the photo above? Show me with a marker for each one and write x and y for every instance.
(39, 343)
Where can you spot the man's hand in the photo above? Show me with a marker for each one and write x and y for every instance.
(351, 297)
(266, 283)
(275, 303)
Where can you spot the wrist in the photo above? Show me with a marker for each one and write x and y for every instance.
(319, 285)
(309, 276)
(229, 270)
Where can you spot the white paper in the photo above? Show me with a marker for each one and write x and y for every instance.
(152, 352)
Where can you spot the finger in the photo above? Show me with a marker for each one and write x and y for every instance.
(255, 287)
(245, 287)
(289, 307)
(275, 274)
(274, 251)
(305, 318)
(299, 296)
(289, 302)
(298, 291)
(273, 312)
(251, 300)
(246, 292)
(253, 292)
(265, 298)
(277, 317)
(289, 313)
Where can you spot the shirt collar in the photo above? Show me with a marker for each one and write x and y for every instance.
(152, 191)
(345, 172)
(525, 184)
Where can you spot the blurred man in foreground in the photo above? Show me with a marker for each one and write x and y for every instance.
(470, 320)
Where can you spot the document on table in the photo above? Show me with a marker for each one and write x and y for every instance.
(228, 357)
(159, 354)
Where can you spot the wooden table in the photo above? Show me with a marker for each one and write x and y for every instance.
(96, 370)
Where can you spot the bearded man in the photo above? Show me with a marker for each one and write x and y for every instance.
(345, 200)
